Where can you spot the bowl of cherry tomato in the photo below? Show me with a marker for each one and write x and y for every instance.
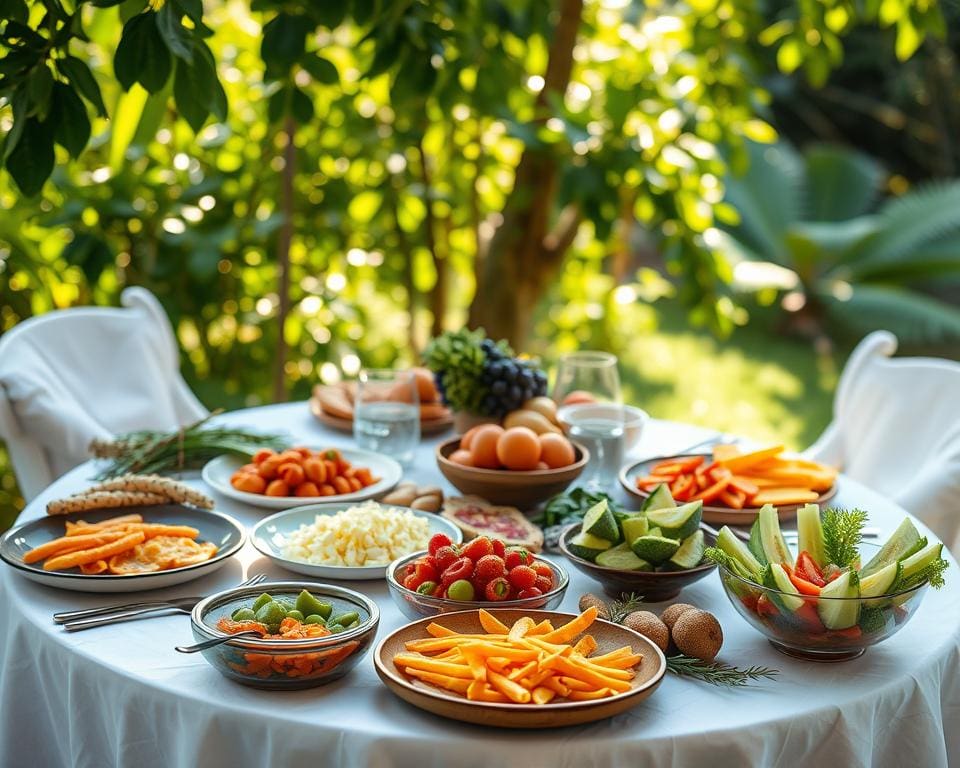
(480, 573)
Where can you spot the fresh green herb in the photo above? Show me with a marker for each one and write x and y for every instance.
(571, 506)
(842, 531)
(872, 620)
(932, 573)
(457, 357)
(627, 604)
(149, 451)
(718, 673)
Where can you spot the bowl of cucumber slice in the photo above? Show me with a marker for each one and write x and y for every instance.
(835, 595)
(655, 552)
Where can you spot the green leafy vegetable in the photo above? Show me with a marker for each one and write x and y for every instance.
(932, 573)
(842, 532)
(571, 506)
(457, 358)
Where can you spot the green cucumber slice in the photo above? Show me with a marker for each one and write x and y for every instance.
(655, 549)
(634, 527)
(752, 569)
(622, 558)
(919, 561)
(661, 498)
(677, 522)
(774, 546)
(588, 547)
(810, 531)
(880, 582)
(901, 544)
(840, 614)
(690, 553)
(599, 521)
(786, 596)
(755, 545)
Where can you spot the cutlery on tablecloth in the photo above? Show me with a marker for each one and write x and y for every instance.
(109, 614)
(215, 641)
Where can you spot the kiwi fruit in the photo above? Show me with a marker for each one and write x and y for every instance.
(673, 612)
(588, 600)
(648, 625)
(698, 634)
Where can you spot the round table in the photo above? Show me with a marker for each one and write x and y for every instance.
(120, 695)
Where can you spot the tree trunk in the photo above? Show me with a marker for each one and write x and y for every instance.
(524, 254)
(283, 260)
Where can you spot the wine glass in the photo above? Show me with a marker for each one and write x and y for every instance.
(386, 413)
(591, 372)
(590, 383)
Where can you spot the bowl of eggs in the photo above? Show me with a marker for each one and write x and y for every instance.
(514, 466)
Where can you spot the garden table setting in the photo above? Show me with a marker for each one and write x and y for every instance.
(120, 694)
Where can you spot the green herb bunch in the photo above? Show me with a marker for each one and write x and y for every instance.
(457, 358)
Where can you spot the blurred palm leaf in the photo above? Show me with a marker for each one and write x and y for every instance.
(916, 318)
(840, 184)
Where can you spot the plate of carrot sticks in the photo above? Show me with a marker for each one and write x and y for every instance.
(520, 668)
(734, 483)
(100, 550)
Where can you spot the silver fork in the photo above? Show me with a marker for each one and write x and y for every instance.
(74, 621)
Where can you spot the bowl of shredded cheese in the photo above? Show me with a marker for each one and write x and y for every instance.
(347, 541)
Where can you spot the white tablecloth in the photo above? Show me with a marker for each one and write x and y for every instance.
(122, 696)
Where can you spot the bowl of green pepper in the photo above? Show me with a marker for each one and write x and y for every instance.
(304, 634)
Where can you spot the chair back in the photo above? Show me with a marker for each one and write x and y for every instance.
(73, 375)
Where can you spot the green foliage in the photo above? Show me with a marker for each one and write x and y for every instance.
(457, 359)
(842, 532)
(860, 265)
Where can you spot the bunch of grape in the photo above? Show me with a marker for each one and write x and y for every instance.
(510, 382)
(480, 375)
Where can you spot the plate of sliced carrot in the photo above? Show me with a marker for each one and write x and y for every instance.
(516, 668)
(733, 483)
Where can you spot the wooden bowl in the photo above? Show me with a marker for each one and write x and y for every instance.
(609, 637)
(509, 487)
(713, 514)
(654, 586)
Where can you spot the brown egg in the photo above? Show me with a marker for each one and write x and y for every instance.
(484, 446)
(467, 439)
(426, 388)
(556, 450)
(579, 396)
(519, 448)
(462, 457)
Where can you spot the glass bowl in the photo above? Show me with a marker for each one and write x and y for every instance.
(802, 635)
(285, 664)
(413, 605)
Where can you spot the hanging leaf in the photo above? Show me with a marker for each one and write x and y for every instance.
(142, 56)
(80, 76)
(89, 253)
(31, 161)
(322, 70)
(71, 125)
(284, 38)
(19, 105)
(174, 34)
(196, 89)
(191, 8)
(39, 87)
(301, 107)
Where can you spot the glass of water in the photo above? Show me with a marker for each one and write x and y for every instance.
(590, 373)
(602, 435)
(386, 413)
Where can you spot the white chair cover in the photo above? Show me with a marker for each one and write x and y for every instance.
(70, 376)
(896, 428)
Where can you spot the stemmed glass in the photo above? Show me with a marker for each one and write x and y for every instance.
(586, 379)
(592, 372)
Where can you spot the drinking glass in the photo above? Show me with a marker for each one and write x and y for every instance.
(386, 413)
(602, 435)
(589, 371)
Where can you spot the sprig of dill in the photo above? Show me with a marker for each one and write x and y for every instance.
(717, 673)
(842, 532)
(932, 573)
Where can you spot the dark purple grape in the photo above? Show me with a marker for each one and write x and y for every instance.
(499, 388)
(516, 393)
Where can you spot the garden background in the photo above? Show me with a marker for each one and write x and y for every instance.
(726, 194)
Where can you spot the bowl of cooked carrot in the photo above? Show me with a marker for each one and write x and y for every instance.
(306, 634)
(733, 483)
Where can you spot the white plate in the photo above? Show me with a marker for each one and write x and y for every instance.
(267, 536)
(218, 471)
(223, 531)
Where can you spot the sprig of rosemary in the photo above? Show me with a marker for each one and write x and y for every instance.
(717, 673)
(627, 604)
(151, 451)
(842, 532)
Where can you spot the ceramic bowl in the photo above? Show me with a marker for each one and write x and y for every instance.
(654, 586)
(509, 487)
